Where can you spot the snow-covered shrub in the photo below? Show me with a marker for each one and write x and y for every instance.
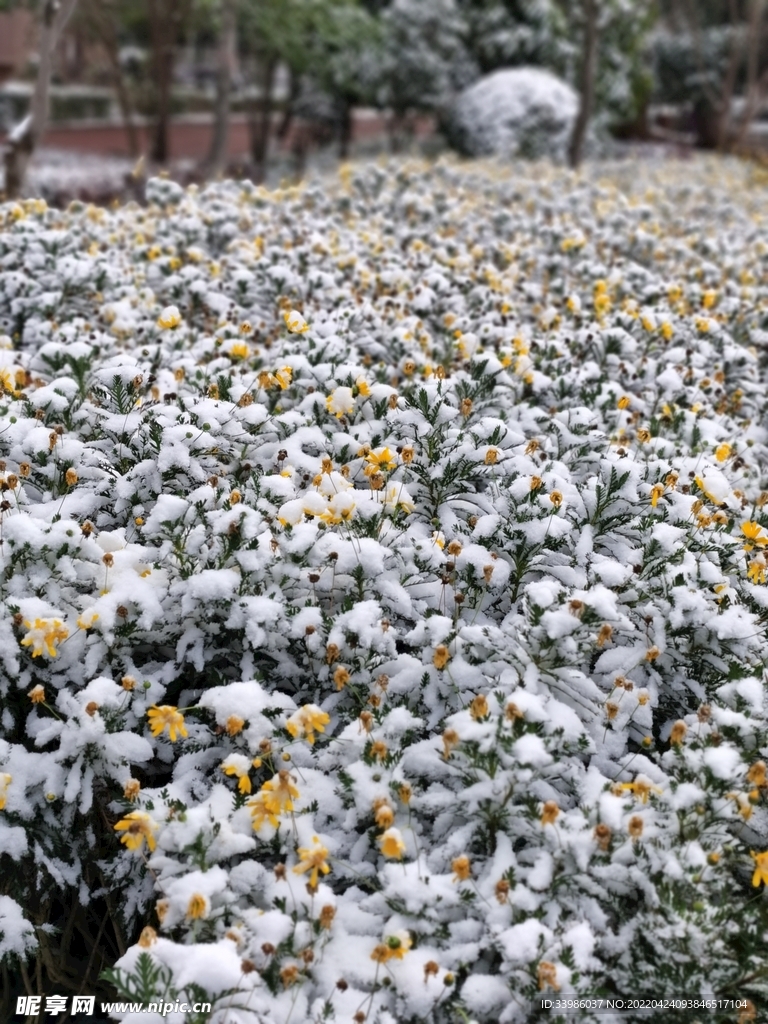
(430, 49)
(516, 112)
(384, 593)
(422, 60)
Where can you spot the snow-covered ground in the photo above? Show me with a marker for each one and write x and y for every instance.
(384, 589)
(59, 175)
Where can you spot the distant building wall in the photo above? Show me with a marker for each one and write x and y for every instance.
(16, 35)
(189, 136)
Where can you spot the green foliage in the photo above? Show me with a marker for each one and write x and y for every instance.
(321, 39)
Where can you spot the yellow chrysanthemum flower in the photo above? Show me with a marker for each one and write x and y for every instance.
(397, 497)
(11, 381)
(5, 781)
(308, 720)
(313, 859)
(756, 570)
(602, 303)
(550, 813)
(709, 490)
(261, 811)
(239, 766)
(87, 619)
(462, 868)
(392, 843)
(167, 717)
(43, 636)
(743, 804)
(397, 944)
(240, 350)
(341, 402)
(234, 725)
(279, 793)
(340, 510)
(754, 534)
(761, 867)
(640, 788)
(148, 937)
(198, 906)
(131, 789)
(295, 322)
(382, 459)
(169, 318)
(138, 826)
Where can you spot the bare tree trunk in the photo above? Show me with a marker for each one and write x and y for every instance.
(24, 138)
(102, 17)
(165, 19)
(729, 85)
(710, 102)
(587, 82)
(216, 160)
(162, 72)
(676, 16)
(260, 120)
(346, 128)
(126, 106)
(300, 149)
(755, 85)
(294, 91)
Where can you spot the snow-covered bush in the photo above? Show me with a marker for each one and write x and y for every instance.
(423, 60)
(384, 593)
(551, 34)
(517, 112)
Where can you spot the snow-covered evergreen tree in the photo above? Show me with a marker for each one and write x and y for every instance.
(424, 59)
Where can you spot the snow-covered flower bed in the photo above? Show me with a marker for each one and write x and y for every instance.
(384, 592)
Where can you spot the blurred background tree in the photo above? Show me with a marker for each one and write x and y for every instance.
(107, 24)
(167, 20)
(707, 52)
(224, 17)
(297, 70)
(52, 17)
(516, 33)
(554, 34)
(423, 58)
(321, 45)
(598, 46)
(608, 64)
